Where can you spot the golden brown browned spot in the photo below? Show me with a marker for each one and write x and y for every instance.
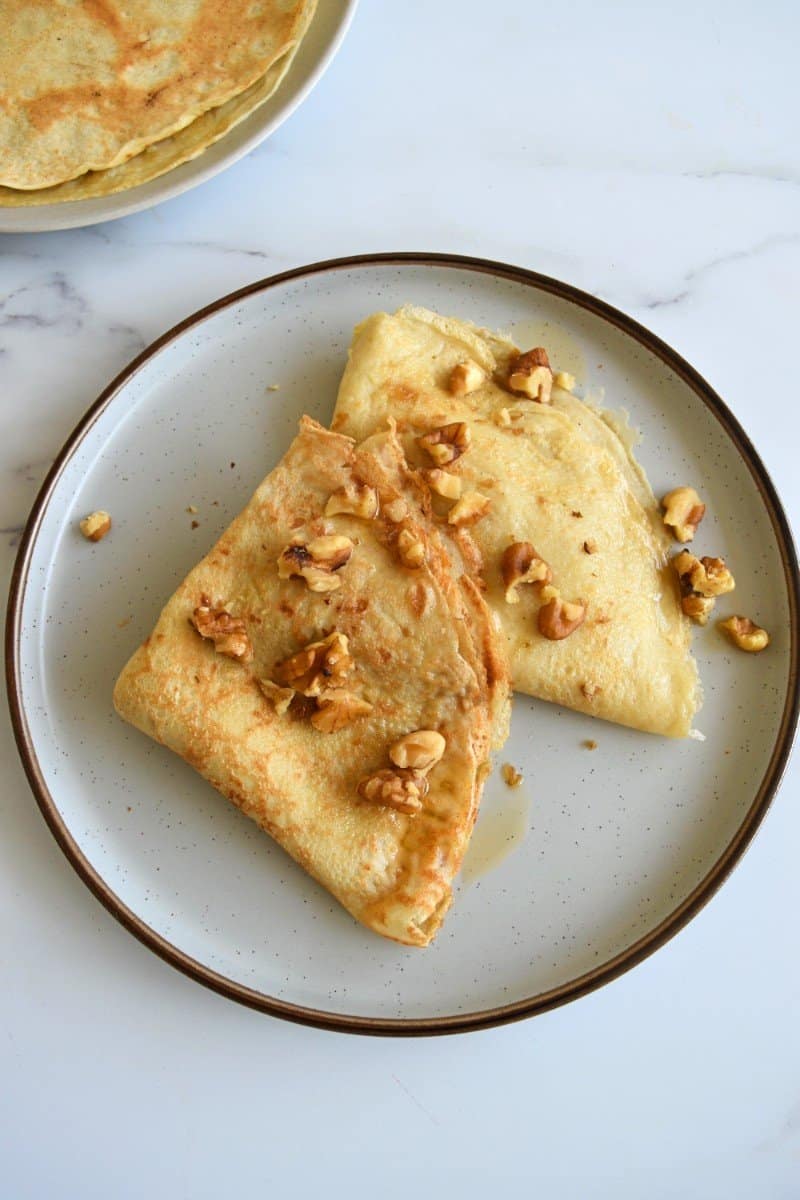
(401, 393)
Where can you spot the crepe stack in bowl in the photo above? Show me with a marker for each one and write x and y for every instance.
(330, 668)
(99, 97)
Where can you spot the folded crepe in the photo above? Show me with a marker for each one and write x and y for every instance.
(330, 669)
(100, 98)
(554, 511)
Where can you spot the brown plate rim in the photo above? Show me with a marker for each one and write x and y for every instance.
(459, 1022)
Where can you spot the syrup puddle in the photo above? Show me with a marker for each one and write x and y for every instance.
(502, 826)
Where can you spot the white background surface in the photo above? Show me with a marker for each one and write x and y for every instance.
(652, 158)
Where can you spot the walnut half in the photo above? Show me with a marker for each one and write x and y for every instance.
(521, 564)
(399, 789)
(316, 561)
(229, 634)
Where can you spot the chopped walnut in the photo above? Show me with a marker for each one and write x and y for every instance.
(559, 618)
(316, 561)
(420, 751)
(683, 512)
(395, 510)
(447, 443)
(521, 564)
(511, 776)
(465, 377)
(444, 483)
(317, 667)
(229, 634)
(471, 508)
(698, 607)
(706, 576)
(338, 708)
(531, 375)
(398, 789)
(565, 380)
(590, 690)
(503, 418)
(279, 697)
(354, 499)
(95, 527)
(745, 634)
(410, 549)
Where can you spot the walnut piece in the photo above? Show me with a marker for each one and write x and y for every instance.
(471, 508)
(530, 374)
(229, 634)
(521, 564)
(354, 499)
(410, 550)
(706, 576)
(511, 776)
(398, 789)
(683, 512)
(395, 510)
(95, 527)
(745, 634)
(279, 697)
(420, 751)
(698, 607)
(447, 443)
(565, 380)
(502, 418)
(559, 618)
(338, 708)
(444, 483)
(590, 690)
(317, 667)
(316, 561)
(465, 377)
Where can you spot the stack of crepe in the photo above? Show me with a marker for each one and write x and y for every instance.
(98, 96)
(339, 665)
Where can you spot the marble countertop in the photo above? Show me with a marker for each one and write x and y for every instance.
(648, 154)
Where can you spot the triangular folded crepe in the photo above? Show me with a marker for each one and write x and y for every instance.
(554, 481)
(293, 662)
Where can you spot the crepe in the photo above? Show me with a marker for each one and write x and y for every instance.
(88, 86)
(559, 478)
(424, 655)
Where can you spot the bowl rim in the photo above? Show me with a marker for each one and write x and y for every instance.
(458, 1022)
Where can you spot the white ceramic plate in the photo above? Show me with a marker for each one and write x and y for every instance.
(621, 845)
(323, 39)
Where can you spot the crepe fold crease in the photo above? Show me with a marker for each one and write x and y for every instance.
(558, 477)
(425, 655)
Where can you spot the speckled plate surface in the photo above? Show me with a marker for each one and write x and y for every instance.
(323, 39)
(609, 850)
